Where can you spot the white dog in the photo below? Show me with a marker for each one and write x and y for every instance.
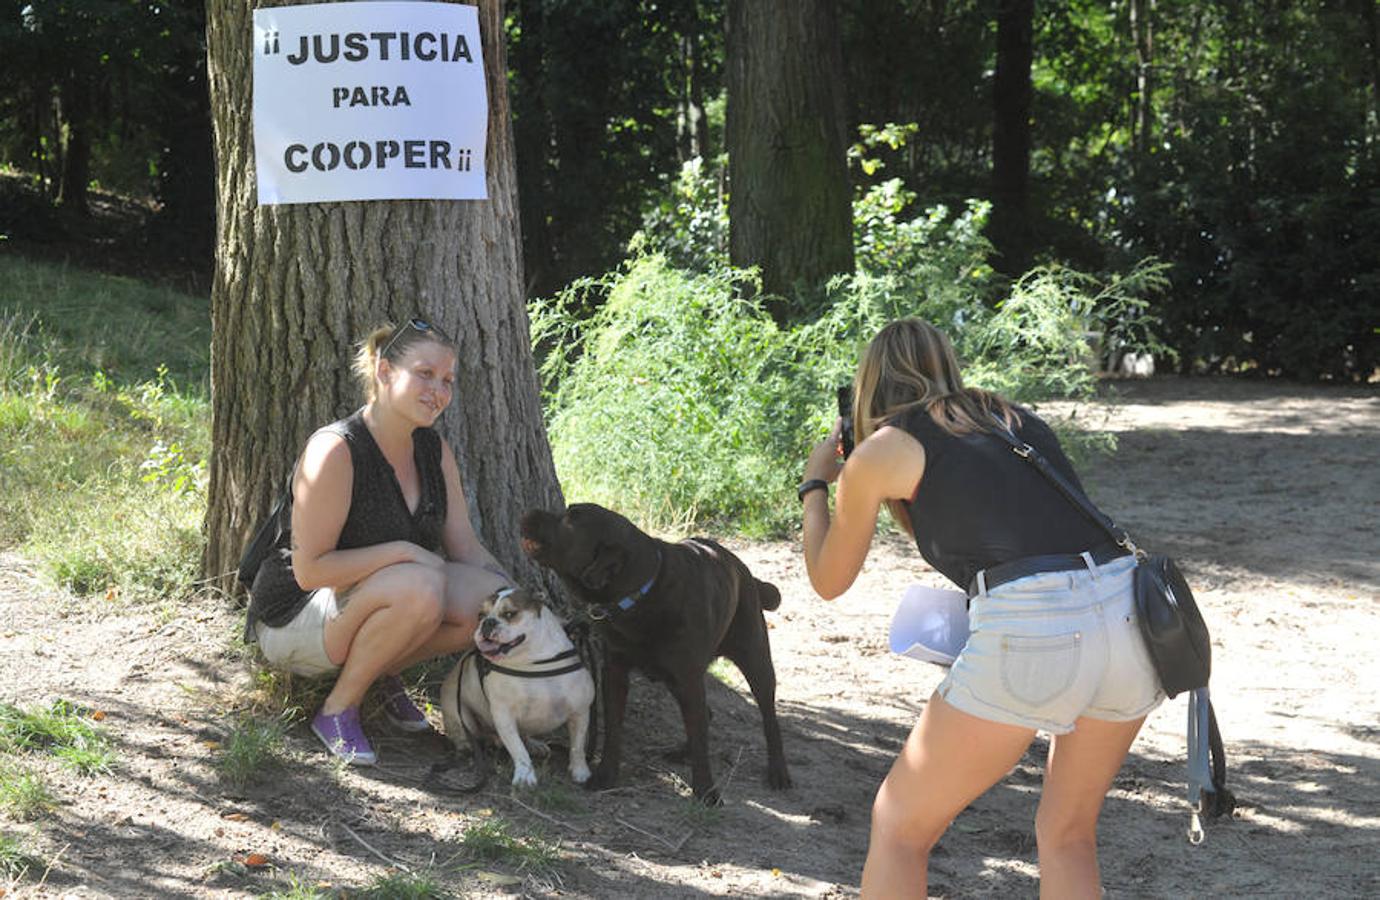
(523, 678)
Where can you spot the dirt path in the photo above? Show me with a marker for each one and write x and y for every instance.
(1267, 493)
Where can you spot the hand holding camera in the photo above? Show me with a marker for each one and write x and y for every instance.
(845, 395)
(822, 468)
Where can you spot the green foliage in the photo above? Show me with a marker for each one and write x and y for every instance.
(1040, 341)
(63, 731)
(556, 795)
(15, 860)
(404, 886)
(494, 840)
(103, 472)
(666, 387)
(688, 222)
(23, 795)
(113, 69)
(250, 751)
(682, 404)
(297, 889)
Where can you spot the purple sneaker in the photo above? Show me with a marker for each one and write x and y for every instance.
(344, 736)
(398, 708)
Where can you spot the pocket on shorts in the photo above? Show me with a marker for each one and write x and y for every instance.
(1036, 669)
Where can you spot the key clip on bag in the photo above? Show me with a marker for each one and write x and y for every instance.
(1175, 636)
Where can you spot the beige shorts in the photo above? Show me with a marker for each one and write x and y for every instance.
(299, 646)
(1049, 648)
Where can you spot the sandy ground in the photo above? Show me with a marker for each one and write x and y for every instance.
(1267, 493)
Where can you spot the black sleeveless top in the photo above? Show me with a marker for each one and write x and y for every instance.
(378, 514)
(978, 504)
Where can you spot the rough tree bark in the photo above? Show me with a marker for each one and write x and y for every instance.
(1010, 228)
(789, 204)
(296, 286)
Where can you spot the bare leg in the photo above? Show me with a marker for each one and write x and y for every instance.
(445, 639)
(388, 616)
(467, 587)
(1078, 774)
(948, 761)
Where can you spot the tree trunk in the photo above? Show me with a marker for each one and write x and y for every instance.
(789, 206)
(532, 135)
(1141, 24)
(296, 286)
(76, 157)
(1010, 228)
(1372, 39)
(692, 125)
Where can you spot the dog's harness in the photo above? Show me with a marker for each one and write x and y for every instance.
(485, 666)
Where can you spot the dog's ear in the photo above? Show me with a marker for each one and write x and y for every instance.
(607, 562)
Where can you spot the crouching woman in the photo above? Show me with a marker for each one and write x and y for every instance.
(377, 566)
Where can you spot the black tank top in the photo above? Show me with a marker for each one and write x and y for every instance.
(978, 504)
(378, 514)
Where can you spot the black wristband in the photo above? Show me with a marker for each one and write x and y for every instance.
(812, 484)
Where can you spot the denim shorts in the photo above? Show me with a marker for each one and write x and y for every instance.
(299, 646)
(1049, 648)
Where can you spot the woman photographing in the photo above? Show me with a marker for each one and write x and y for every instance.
(1054, 643)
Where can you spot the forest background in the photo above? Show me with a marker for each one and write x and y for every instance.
(1235, 141)
(1058, 185)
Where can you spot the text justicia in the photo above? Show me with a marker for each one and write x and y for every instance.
(356, 46)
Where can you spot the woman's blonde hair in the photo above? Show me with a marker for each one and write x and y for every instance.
(910, 365)
(392, 343)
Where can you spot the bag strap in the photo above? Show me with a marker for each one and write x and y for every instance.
(1207, 780)
(1072, 494)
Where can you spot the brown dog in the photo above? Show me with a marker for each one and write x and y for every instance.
(667, 610)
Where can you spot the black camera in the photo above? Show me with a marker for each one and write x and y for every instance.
(846, 413)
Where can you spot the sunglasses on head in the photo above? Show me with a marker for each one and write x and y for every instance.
(422, 326)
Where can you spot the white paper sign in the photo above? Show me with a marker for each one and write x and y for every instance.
(369, 101)
(930, 625)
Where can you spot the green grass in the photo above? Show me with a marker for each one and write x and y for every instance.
(106, 422)
(23, 795)
(15, 860)
(251, 751)
(297, 889)
(556, 795)
(700, 817)
(494, 840)
(403, 886)
(61, 731)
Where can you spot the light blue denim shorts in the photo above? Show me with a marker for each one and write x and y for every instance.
(1049, 648)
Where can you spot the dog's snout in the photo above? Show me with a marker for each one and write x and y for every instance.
(489, 626)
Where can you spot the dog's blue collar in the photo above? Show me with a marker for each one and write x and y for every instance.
(627, 603)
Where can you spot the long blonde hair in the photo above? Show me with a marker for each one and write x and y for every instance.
(909, 365)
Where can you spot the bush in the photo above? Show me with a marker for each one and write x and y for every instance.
(682, 404)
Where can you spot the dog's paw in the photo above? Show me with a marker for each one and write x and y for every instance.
(524, 777)
(600, 780)
(579, 774)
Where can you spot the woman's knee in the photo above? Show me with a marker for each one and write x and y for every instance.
(1057, 828)
(420, 594)
(897, 823)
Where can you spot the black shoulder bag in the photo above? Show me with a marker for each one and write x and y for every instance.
(265, 537)
(1176, 638)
